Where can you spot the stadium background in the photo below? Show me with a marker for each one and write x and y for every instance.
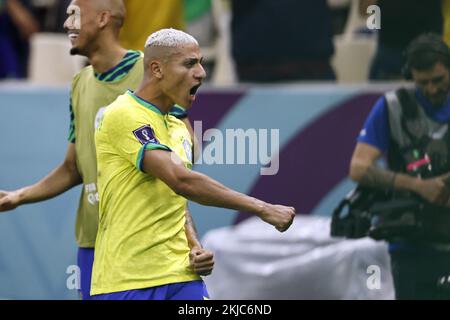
(317, 122)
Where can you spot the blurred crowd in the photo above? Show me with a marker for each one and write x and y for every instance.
(269, 41)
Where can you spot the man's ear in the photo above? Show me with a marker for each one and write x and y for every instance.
(104, 18)
(156, 69)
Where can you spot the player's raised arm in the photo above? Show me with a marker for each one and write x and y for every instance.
(206, 191)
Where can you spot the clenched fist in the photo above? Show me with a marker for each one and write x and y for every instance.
(202, 261)
(281, 217)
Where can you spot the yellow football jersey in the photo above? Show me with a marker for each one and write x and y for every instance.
(141, 240)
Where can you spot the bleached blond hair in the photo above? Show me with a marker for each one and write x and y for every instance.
(170, 38)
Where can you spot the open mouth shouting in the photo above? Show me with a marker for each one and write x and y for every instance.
(193, 91)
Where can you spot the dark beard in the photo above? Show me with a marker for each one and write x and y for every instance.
(75, 51)
(441, 103)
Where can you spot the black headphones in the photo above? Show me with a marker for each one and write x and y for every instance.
(424, 44)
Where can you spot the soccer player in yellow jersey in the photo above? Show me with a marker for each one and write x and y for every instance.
(93, 27)
(144, 179)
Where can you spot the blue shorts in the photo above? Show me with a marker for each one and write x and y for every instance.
(85, 263)
(191, 290)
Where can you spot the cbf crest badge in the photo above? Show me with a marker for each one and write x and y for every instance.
(145, 135)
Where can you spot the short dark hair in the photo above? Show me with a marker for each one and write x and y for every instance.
(425, 51)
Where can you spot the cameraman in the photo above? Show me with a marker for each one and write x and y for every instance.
(411, 129)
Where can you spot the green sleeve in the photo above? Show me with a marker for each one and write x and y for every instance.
(71, 137)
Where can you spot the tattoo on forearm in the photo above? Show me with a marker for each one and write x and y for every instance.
(378, 178)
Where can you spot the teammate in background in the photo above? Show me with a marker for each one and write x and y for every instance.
(144, 179)
(93, 27)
